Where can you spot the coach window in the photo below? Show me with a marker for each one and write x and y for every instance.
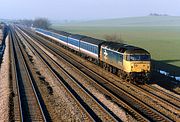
(87, 46)
(71, 41)
(84, 46)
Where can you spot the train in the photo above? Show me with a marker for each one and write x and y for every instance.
(130, 63)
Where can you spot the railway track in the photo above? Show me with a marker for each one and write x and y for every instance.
(94, 108)
(162, 94)
(144, 109)
(30, 108)
(17, 113)
(171, 110)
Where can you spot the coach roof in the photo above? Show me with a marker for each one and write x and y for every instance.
(92, 40)
(77, 36)
(63, 33)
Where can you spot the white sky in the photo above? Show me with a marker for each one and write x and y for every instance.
(85, 9)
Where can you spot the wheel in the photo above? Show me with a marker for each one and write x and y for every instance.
(104, 66)
(110, 69)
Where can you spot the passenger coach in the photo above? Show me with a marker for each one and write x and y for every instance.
(90, 47)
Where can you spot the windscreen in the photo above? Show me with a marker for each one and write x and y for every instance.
(138, 57)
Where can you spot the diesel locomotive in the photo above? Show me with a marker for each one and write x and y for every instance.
(128, 62)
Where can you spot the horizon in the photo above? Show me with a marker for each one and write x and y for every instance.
(99, 19)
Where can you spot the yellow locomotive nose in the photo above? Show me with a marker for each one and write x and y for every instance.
(140, 67)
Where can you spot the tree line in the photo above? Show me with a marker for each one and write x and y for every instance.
(45, 24)
(38, 23)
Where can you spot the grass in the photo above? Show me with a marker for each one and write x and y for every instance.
(130, 21)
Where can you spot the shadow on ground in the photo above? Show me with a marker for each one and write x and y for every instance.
(165, 81)
(163, 65)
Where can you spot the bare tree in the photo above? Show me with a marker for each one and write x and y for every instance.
(41, 23)
(26, 22)
(114, 38)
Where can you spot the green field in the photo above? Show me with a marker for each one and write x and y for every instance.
(130, 21)
(161, 40)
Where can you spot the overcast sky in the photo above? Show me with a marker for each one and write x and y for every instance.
(85, 9)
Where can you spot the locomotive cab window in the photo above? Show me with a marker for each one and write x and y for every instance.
(138, 58)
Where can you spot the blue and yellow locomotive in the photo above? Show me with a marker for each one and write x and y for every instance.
(128, 62)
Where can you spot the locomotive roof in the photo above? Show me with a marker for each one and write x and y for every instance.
(120, 47)
(92, 40)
